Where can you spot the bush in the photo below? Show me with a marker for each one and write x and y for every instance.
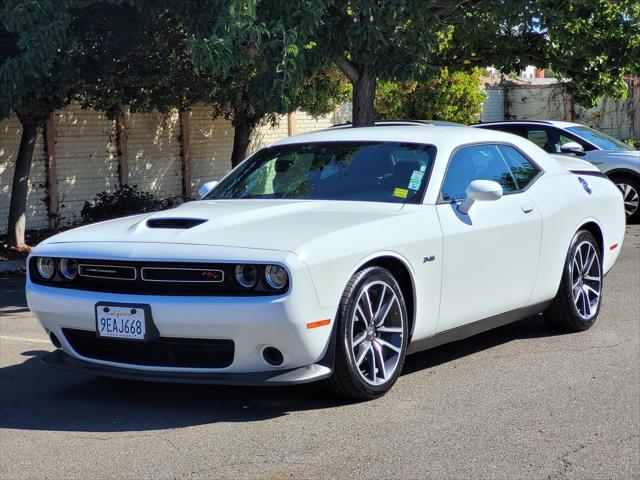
(126, 200)
(454, 97)
(632, 142)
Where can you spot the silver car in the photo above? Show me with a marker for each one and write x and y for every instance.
(615, 159)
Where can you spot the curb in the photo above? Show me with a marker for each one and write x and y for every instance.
(8, 266)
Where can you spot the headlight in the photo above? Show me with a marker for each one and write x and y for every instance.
(68, 268)
(46, 267)
(276, 276)
(246, 275)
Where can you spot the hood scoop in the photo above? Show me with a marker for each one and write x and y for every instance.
(175, 223)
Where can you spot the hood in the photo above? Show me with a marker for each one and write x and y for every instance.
(611, 160)
(621, 153)
(265, 224)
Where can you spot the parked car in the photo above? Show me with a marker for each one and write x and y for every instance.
(332, 255)
(616, 159)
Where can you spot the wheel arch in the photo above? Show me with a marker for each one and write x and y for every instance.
(403, 274)
(595, 229)
(623, 172)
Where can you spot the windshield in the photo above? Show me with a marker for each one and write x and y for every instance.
(599, 139)
(358, 171)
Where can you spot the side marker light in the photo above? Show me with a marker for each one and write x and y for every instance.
(319, 323)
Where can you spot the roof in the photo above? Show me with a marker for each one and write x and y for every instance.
(385, 123)
(556, 123)
(414, 133)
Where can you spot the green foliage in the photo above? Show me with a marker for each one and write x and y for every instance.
(320, 93)
(632, 142)
(255, 53)
(454, 97)
(591, 43)
(138, 59)
(126, 200)
(33, 73)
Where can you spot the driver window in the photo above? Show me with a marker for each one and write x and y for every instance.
(478, 162)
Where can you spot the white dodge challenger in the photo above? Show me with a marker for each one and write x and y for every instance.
(332, 255)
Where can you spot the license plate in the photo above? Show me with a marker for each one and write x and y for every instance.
(118, 321)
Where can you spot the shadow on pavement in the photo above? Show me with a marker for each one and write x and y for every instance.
(532, 327)
(36, 397)
(12, 299)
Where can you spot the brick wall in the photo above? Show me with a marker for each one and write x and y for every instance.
(154, 149)
(87, 156)
(211, 143)
(548, 102)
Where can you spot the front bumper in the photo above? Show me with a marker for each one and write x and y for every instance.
(307, 374)
(252, 323)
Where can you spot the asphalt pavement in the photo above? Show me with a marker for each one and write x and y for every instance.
(517, 402)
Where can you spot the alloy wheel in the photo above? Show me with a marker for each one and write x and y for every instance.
(630, 197)
(375, 337)
(586, 279)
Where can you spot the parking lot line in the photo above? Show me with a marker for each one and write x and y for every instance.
(23, 339)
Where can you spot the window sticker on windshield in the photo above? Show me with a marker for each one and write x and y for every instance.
(415, 180)
(400, 193)
(423, 168)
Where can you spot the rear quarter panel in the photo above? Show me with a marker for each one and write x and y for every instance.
(566, 207)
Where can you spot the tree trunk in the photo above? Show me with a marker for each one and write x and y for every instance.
(20, 187)
(242, 129)
(364, 95)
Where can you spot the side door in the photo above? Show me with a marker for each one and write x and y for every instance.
(490, 254)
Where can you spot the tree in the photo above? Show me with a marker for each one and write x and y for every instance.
(137, 60)
(109, 56)
(37, 76)
(591, 42)
(258, 68)
(450, 96)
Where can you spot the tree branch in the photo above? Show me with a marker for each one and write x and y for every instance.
(349, 69)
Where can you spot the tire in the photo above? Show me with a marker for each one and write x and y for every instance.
(577, 303)
(630, 189)
(369, 355)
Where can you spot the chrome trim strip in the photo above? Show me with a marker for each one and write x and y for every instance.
(142, 270)
(135, 272)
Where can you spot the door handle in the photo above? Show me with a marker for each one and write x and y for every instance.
(527, 208)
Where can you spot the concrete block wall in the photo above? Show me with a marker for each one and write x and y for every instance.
(86, 158)
(37, 213)
(211, 144)
(87, 161)
(153, 145)
(540, 103)
(548, 102)
(612, 116)
(266, 134)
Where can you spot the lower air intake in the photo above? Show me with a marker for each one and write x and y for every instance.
(163, 352)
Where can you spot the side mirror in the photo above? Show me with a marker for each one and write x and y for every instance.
(205, 189)
(480, 191)
(572, 147)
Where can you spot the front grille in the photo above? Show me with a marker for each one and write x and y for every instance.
(163, 352)
(155, 278)
(116, 272)
(191, 275)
